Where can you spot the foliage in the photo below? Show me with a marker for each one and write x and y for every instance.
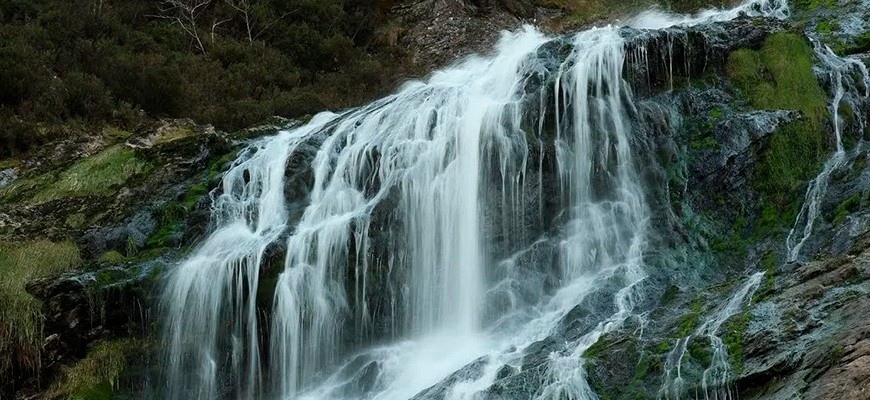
(699, 349)
(860, 44)
(20, 313)
(97, 376)
(74, 61)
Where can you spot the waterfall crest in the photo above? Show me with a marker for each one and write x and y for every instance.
(408, 264)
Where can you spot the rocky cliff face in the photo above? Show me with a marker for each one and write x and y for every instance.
(720, 213)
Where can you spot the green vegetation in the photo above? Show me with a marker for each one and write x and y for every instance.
(861, 44)
(597, 349)
(826, 27)
(810, 5)
(174, 133)
(236, 63)
(769, 264)
(97, 376)
(699, 349)
(735, 330)
(704, 144)
(111, 257)
(669, 296)
(20, 313)
(837, 353)
(76, 221)
(173, 213)
(770, 78)
(98, 175)
(688, 322)
(847, 207)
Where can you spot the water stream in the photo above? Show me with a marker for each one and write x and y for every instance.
(407, 270)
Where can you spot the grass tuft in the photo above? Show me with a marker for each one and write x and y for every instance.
(20, 314)
(97, 376)
(99, 175)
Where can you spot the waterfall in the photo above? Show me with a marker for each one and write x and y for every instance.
(407, 263)
(844, 88)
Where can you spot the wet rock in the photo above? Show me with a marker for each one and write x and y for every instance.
(82, 308)
(817, 344)
(7, 175)
(440, 31)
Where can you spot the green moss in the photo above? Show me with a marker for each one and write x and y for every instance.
(769, 264)
(735, 330)
(20, 314)
(173, 213)
(97, 376)
(598, 348)
(810, 5)
(770, 78)
(704, 144)
(114, 134)
(860, 44)
(76, 221)
(837, 353)
(98, 175)
(663, 347)
(669, 296)
(699, 349)
(689, 321)
(716, 113)
(847, 207)
(827, 27)
(174, 133)
(111, 257)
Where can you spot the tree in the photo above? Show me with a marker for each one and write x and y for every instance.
(185, 14)
(246, 9)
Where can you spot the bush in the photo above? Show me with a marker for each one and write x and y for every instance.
(66, 61)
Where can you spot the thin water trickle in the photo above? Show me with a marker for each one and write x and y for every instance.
(716, 377)
(845, 89)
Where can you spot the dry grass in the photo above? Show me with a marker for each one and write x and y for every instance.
(20, 314)
(97, 375)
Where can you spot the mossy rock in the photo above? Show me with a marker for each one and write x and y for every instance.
(101, 174)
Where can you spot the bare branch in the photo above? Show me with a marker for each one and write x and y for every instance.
(186, 13)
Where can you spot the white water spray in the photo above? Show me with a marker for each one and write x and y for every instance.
(428, 158)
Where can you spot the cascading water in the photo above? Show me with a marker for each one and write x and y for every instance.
(430, 192)
(845, 89)
(715, 378)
